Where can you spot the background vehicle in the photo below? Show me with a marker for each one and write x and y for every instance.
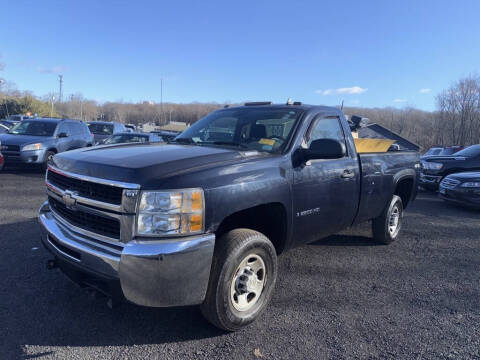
(450, 150)
(131, 127)
(435, 168)
(131, 137)
(2, 161)
(461, 188)
(166, 134)
(103, 129)
(35, 141)
(433, 151)
(8, 123)
(202, 219)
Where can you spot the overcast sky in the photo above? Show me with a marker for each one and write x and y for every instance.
(371, 54)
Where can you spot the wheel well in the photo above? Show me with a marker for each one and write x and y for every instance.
(53, 149)
(269, 219)
(404, 189)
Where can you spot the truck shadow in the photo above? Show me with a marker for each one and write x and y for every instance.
(41, 307)
(346, 240)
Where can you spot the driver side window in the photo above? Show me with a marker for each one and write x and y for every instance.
(325, 128)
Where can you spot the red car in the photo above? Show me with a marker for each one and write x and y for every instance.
(2, 162)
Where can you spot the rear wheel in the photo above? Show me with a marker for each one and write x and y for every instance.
(386, 227)
(242, 279)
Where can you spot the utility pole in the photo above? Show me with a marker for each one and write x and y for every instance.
(51, 111)
(161, 100)
(60, 80)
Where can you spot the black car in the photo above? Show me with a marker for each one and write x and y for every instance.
(166, 135)
(435, 168)
(462, 188)
(131, 137)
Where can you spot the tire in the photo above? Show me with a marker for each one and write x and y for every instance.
(236, 270)
(48, 158)
(383, 227)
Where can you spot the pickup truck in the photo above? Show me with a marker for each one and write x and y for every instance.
(436, 168)
(201, 220)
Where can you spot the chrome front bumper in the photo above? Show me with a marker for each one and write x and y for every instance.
(160, 273)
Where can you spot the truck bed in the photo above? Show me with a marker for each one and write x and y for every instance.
(380, 173)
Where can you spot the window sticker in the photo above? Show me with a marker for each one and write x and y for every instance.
(264, 141)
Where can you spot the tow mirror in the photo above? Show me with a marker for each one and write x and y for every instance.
(62, 135)
(323, 149)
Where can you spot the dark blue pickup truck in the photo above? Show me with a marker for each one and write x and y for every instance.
(201, 220)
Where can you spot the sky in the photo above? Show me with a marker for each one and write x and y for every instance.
(365, 53)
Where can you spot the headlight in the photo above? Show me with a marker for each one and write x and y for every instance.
(432, 165)
(29, 147)
(179, 212)
(471, 184)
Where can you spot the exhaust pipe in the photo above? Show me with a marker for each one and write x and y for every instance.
(52, 264)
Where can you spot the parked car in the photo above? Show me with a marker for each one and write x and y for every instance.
(435, 168)
(131, 137)
(35, 141)
(450, 150)
(2, 161)
(462, 188)
(166, 134)
(18, 118)
(9, 123)
(433, 151)
(201, 220)
(103, 129)
(131, 127)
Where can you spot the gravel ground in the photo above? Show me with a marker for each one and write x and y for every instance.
(341, 297)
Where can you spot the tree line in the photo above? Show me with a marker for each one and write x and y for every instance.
(456, 120)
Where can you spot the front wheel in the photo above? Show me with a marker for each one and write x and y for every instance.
(387, 226)
(242, 279)
(48, 159)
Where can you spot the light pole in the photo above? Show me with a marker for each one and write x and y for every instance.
(51, 111)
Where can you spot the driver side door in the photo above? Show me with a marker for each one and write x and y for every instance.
(325, 191)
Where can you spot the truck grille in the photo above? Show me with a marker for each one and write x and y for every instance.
(91, 222)
(449, 183)
(91, 190)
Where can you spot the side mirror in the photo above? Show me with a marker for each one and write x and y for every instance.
(62, 135)
(324, 149)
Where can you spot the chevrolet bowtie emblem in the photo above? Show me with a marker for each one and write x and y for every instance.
(69, 198)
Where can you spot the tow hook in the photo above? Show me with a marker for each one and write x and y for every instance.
(52, 264)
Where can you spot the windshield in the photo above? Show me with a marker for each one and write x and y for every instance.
(126, 138)
(34, 128)
(434, 151)
(101, 129)
(448, 151)
(259, 129)
(471, 151)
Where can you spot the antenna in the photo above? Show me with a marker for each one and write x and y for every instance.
(60, 81)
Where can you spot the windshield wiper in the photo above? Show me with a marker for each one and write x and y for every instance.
(183, 141)
(245, 146)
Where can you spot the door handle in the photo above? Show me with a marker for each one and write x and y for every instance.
(347, 174)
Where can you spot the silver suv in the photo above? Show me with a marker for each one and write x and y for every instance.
(35, 141)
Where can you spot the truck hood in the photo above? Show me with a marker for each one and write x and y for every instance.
(139, 164)
(9, 139)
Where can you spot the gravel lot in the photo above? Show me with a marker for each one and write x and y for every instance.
(341, 297)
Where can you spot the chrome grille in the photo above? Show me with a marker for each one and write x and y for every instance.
(449, 183)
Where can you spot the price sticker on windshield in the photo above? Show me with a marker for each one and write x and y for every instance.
(264, 141)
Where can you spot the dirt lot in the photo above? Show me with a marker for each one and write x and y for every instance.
(341, 297)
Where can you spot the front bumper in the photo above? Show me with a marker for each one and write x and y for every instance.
(26, 157)
(465, 197)
(169, 272)
(430, 181)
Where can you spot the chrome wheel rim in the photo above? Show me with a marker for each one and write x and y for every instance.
(248, 282)
(394, 221)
